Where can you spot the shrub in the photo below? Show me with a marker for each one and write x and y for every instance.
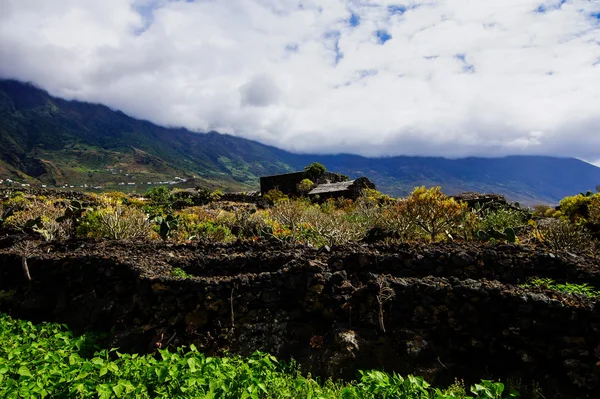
(594, 209)
(541, 210)
(377, 196)
(560, 235)
(432, 212)
(159, 195)
(113, 197)
(90, 226)
(501, 219)
(273, 196)
(291, 214)
(335, 228)
(395, 219)
(211, 231)
(575, 207)
(121, 222)
(305, 186)
(246, 222)
(16, 201)
(51, 229)
(42, 214)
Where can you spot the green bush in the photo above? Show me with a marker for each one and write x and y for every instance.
(211, 231)
(305, 186)
(273, 196)
(561, 235)
(90, 225)
(115, 222)
(432, 212)
(314, 171)
(575, 208)
(501, 219)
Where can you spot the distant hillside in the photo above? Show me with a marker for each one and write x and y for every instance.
(53, 141)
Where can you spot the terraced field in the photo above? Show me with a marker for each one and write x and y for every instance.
(443, 311)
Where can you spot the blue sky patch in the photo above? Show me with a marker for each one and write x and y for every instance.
(468, 68)
(397, 9)
(147, 13)
(555, 5)
(383, 36)
(335, 37)
(366, 73)
(291, 48)
(354, 20)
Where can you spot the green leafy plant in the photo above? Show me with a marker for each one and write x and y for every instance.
(566, 288)
(501, 218)
(48, 361)
(179, 272)
(166, 225)
(508, 235)
(74, 213)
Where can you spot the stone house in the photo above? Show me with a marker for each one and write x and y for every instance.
(328, 185)
(288, 183)
(351, 189)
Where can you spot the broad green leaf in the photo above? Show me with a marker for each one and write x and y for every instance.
(24, 371)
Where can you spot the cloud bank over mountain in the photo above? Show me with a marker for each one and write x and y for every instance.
(438, 77)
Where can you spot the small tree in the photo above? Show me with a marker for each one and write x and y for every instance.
(432, 211)
(314, 171)
(305, 186)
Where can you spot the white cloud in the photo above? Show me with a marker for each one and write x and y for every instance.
(456, 78)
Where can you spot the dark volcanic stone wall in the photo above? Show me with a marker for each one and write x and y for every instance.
(448, 310)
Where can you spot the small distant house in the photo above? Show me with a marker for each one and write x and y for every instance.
(351, 189)
(288, 183)
(476, 199)
(328, 185)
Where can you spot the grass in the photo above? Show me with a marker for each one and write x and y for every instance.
(48, 361)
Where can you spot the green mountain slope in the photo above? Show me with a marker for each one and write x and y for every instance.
(56, 141)
(53, 141)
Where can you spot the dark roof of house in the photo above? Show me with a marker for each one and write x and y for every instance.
(331, 187)
(284, 174)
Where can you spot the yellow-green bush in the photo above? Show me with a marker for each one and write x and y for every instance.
(274, 196)
(116, 222)
(432, 212)
(305, 186)
(575, 207)
(31, 210)
(211, 232)
(594, 209)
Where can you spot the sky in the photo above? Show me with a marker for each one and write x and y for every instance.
(447, 78)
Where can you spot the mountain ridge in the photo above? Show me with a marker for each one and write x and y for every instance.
(55, 141)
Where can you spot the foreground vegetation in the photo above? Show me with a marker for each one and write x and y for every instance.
(48, 361)
(183, 216)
